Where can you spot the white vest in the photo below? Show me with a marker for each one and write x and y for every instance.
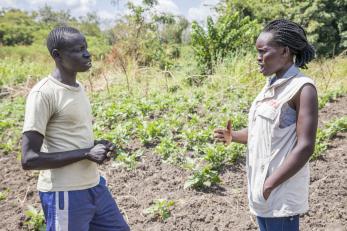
(269, 145)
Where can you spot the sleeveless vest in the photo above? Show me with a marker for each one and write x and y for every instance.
(269, 145)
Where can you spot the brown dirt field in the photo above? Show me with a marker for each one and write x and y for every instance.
(221, 208)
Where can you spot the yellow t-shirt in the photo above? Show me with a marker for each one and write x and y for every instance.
(62, 114)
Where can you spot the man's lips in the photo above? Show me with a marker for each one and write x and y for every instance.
(261, 67)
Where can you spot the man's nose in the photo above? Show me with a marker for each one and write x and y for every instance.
(86, 54)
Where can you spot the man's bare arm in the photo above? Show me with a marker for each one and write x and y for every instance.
(34, 159)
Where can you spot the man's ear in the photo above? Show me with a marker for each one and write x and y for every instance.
(55, 54)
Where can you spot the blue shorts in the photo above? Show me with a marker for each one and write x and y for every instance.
(82, 210)
(279, 223)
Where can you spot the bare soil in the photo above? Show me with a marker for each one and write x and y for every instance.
(221, 208)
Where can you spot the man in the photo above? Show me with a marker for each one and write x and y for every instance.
(58, 140)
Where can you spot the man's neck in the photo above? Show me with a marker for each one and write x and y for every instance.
(65, 77)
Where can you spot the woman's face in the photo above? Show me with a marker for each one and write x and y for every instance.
(272, 58)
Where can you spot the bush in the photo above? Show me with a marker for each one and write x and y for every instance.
(229, 34)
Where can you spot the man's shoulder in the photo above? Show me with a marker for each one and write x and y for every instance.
(42, 86)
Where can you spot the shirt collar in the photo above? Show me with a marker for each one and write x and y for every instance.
(291, 72)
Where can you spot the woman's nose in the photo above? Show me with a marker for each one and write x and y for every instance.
(259, 58)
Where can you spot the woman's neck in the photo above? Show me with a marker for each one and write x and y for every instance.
(283, 70)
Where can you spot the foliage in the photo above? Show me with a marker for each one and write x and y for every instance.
(170, 110)
(325, 21)
(11, 119)
(16, 71)
(16, 28)
(230, 33)
(202, 178)
(161, 209)
(4, 194)
(34, 219)
(171, 28)
(262, 11)
(326, 134)
(146, 37)
(330, 96)
(168, 149)
(47, 16)
(128, 160)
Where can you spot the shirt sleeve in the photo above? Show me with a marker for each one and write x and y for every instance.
(37, 112)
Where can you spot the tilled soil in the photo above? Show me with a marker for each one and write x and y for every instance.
(221, 208)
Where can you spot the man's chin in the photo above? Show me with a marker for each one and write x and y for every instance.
(85, 69)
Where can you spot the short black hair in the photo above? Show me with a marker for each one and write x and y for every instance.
(292, 35)
(57, 37)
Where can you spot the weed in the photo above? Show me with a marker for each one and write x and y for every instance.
(324, 135)
(4, 194)
(35, 220)
(202, 178)
(161, 209)
(128, 160)
(330, 96)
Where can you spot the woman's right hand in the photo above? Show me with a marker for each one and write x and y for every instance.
(224, 135)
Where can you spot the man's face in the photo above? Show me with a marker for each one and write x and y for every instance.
(74, 56)
(270, 55)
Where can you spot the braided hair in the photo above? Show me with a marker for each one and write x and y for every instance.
(292, 35)
(57, 37)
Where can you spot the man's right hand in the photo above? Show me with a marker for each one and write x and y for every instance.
(98, 153)
(111, 148)
(224, 135)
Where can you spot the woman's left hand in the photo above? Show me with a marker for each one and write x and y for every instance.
(266, 190)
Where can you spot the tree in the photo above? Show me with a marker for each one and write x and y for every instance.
(16, 27)
(171, 28)
(229, 34)
(138, 36)
(89, 24)
(55, 18)
(326, 23)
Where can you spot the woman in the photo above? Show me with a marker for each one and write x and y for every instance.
(281, 129)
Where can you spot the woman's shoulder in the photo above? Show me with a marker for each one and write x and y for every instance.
(302, 79)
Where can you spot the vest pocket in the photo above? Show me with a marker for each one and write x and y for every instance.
(259, 201)
(266, 112)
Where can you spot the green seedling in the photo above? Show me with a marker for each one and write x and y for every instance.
(161, 209)
(35, 220)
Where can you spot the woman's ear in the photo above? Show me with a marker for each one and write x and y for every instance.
(286, 51)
